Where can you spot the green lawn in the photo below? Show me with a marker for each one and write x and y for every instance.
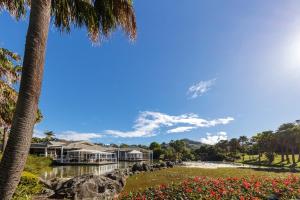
(276, 163)
(142, 181)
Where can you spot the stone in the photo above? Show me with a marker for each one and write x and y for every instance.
(170, 164)
(163, 164)
(146, 167)
(137, 167)
(91, 187)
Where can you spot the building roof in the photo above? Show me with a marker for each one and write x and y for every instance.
(77, 145)
(91, 151)
(134, 152)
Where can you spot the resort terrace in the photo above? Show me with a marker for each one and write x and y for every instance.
(83, 152)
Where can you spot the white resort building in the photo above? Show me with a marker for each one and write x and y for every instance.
(83, 152)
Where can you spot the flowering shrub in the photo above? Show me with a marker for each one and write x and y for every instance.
(253, 188)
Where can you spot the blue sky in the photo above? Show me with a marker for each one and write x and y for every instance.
(202, 70)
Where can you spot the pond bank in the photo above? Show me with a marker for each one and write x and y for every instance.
(87, 186)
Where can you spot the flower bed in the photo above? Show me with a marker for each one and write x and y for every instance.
(253, 188)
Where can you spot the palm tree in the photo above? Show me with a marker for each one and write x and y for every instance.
(279, 137)
(49, 135)
(99, 16)
(243, 141)
(288, 132)
(9, 74)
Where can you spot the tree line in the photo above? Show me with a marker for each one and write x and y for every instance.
(285, 141)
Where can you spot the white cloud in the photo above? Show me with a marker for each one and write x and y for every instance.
(181, 129)
(149, 123)
(200, 88)
(213, 139)
(73, 135)
(70, 135)
(38, 133)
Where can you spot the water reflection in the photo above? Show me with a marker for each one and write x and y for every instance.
(71, 171)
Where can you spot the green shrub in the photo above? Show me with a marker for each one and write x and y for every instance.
(37, 165)
(28, 186)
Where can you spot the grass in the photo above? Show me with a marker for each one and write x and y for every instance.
(145, 180)
(253, 160)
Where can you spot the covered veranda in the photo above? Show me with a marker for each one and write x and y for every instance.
(85, 156)
(134, 155)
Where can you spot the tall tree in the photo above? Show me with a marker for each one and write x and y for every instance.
(243, 141)
(99, 16)
(289, 135)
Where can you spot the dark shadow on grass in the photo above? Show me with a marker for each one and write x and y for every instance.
(274, 169)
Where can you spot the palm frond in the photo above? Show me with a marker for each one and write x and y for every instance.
(100, 17)
(16, 8)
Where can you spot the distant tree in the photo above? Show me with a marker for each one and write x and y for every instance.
(265, 142)
(288, 132)
(169, 153)
(234, 147)
(124, 145)
(49, 135)
(223, 146)
(179, 146)
(209, 153)
(157, 150)
(154, 145)
(243, 140)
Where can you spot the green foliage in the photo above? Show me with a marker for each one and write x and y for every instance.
(36, 164)
(154, 145)
(209, 153)
(100, 17)
(28, 186)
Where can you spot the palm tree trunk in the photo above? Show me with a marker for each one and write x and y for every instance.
(16, 151)
(5, 137)
(282, 154)
(299, 154)
(287, 156)
(293, 155)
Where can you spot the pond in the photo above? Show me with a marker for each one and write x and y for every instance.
(78, 170)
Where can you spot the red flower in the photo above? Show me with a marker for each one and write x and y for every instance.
(212, 193)
(242, 198)
(257, 184)
(246, 185)
(188, 190)
(162, 186)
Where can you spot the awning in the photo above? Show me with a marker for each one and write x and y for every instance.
(135, 152)
(91, 151)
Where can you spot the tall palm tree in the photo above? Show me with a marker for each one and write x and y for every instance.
(289, 138)
(100, 17)
(279, 138)
(243, 140)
